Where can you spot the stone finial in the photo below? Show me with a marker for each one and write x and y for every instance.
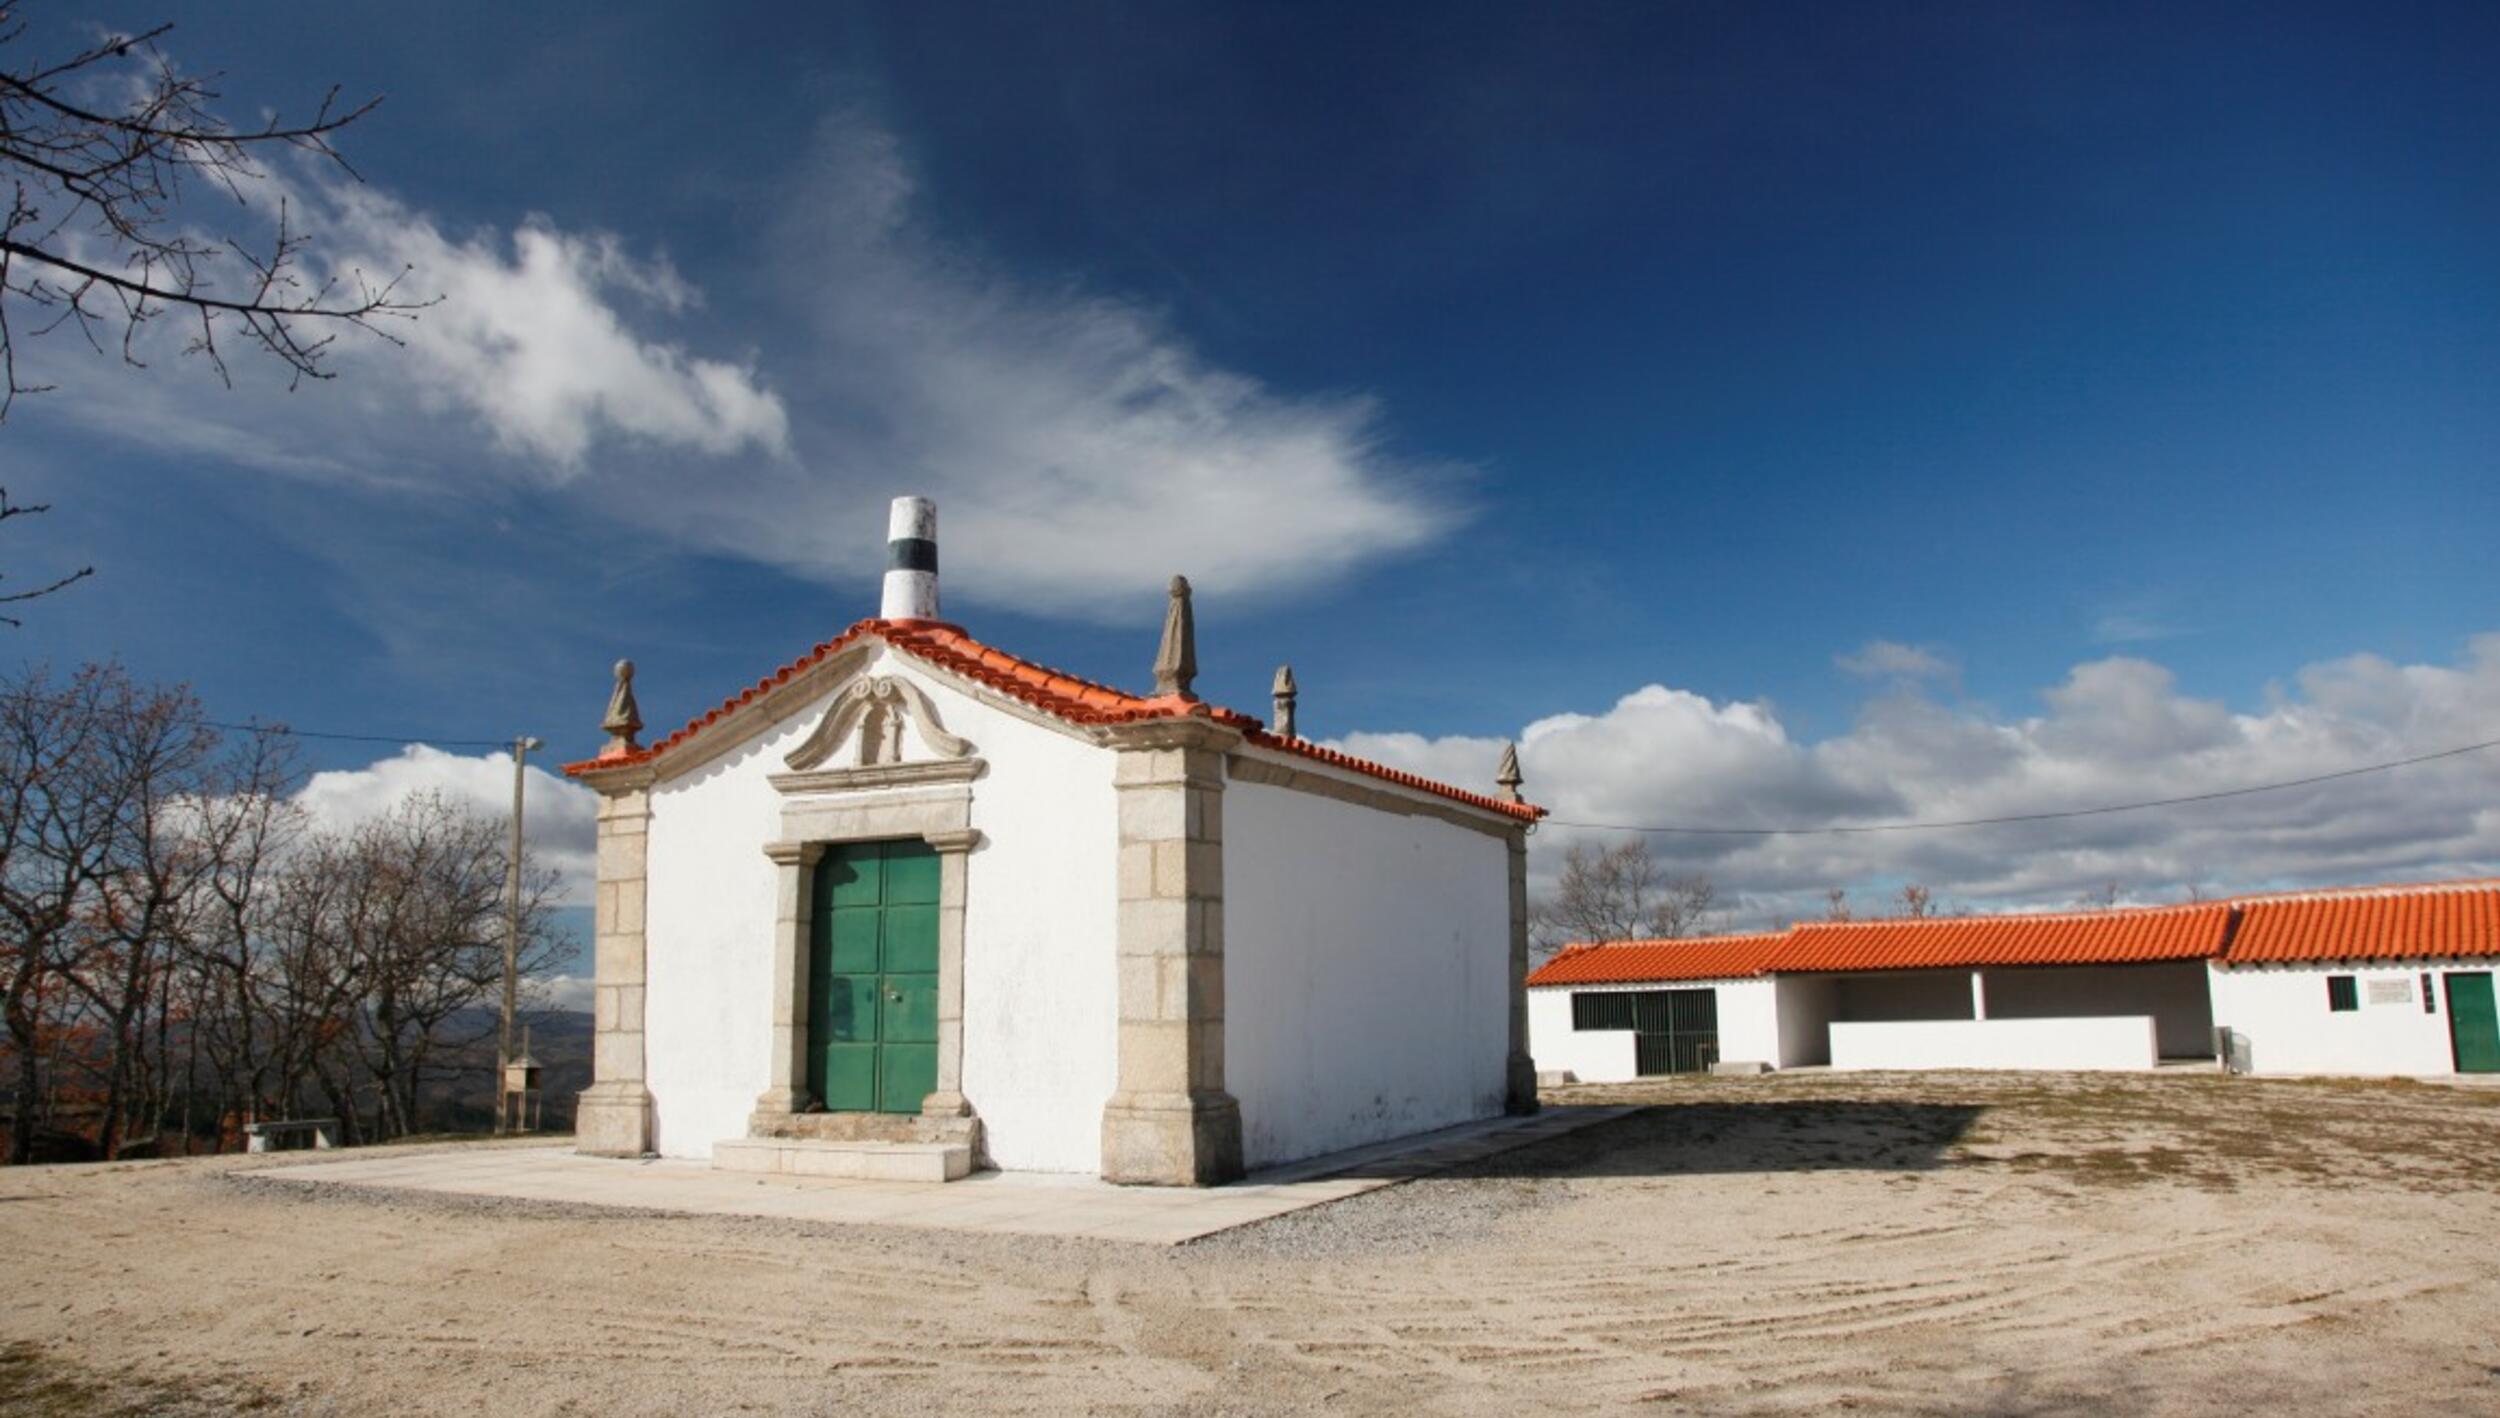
(1285, 692)
(1176, 659)
(1508, 775)
(624, 716)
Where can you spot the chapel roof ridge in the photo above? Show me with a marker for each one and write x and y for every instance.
(1070, 697)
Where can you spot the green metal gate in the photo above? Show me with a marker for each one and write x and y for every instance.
(2473, 1024)
(872, 977)
(1674, 1031)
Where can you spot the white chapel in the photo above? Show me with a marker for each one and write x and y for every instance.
(911, 905)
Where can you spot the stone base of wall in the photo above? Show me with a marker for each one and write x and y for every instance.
(1522, 1091)
(613, 1120)
(1171, 1140)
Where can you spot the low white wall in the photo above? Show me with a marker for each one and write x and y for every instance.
(2104, 1043)
(1366, 970)
(2281, 1011)
(1749, 1028)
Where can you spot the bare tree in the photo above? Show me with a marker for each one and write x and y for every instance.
(247, 826)
(420, 918)
(152, 752)
(1836, 905)
(99, 151)
(164, 915)
(1916, 902)
(1618, 893)
(59, 809)
(2103, 897)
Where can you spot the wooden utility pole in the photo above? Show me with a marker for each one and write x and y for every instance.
(511, 927)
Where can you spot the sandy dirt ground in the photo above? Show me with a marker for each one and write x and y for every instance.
(1868, 1243)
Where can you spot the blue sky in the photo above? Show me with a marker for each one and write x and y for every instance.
(1490, 363)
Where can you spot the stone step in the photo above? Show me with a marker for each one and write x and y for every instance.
(862, 1127)
(865, 1161)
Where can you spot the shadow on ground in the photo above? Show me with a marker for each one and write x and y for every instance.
(1781, 1135)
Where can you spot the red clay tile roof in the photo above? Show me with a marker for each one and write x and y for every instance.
(1949, 943)
(2426, 921)
(2095, 938)
(2387, 924)
(1054, 692)
(1725, 957)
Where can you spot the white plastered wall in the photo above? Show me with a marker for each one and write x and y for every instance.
(708, 922)
(2281, 1011)
(1040, 981)
(1041, 956)
(1593, 1056)
(1366, 965)
(1749, 1028)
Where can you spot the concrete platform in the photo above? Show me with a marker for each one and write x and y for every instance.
(860, 1161)
(1031, 1203)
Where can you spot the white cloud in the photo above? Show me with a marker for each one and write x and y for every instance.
(1890, 659)
(2113, 731)
(535, 339)
(1082, 450)
(565, 992)
(560, 819)
(535, 344)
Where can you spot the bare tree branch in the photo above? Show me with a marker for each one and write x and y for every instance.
(8, 510)
(96, 234)
(1620, 893)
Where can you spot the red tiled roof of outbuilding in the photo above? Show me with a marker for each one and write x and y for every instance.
(1725, 957)
(2454, 920)
(2389, 923)
(2123, 937)
(1055, 692)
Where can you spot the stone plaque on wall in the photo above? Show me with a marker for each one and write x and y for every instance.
(2391, 992)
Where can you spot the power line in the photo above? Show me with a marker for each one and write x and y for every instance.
(2030, 816)
(401, 739)
(62, 700)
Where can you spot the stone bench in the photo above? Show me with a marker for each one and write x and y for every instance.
(264, 1137)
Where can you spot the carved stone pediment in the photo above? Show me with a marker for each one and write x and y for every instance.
(877, 709)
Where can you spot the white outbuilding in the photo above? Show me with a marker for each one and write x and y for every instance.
(2373, 980)
(912, 904)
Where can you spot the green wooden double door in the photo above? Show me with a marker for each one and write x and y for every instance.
(872, 977)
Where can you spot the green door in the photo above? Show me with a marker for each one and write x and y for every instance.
(872, 977)
(2473, 1025)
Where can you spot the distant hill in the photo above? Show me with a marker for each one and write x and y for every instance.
(462, 1098)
